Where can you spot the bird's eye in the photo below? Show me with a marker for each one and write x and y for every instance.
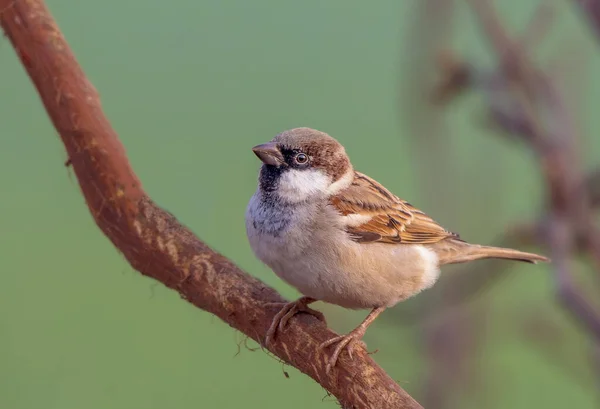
(301, 158)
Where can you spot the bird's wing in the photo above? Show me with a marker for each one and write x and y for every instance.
(389, 219)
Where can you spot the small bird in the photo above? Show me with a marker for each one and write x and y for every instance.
(338, 236)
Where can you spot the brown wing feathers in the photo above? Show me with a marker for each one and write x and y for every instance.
(393, 220)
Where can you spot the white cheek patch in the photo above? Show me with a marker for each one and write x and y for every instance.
(298, 185)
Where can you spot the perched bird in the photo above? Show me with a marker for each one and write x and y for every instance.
(340, 237)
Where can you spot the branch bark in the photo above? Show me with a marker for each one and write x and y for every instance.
(151, 239)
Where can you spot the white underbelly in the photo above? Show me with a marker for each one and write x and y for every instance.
(360, 276)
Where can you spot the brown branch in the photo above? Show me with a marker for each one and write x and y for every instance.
(151, 239)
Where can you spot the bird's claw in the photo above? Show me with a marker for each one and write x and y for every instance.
(343, 341)
(287, 311)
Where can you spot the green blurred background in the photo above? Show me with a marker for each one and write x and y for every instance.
(190, 86)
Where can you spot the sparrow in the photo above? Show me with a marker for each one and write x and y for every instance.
(340, 237)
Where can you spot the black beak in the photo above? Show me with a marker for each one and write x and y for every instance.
(269, 154)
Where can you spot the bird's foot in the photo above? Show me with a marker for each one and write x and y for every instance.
(287, 311)
(348, 342)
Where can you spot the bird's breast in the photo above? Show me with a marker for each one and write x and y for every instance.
(279, 231)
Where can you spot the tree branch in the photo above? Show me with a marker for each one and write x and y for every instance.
(539, 116)
(151, 239)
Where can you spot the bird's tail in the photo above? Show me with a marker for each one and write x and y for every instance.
(461, 252)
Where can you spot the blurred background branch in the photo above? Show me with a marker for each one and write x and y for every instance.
(590, 9)
(523, 102)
